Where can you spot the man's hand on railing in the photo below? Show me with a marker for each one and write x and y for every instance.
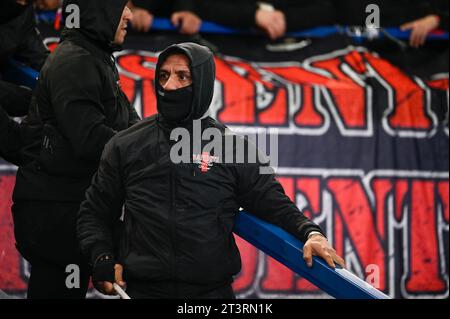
(318, 245)
(420, 29)
(142, 19)
(271, 22)
(187, 22)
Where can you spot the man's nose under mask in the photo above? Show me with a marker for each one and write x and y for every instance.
(175, 105)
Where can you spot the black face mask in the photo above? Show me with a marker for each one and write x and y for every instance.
(175, 105)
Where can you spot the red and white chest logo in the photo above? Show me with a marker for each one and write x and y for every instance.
(205, 161)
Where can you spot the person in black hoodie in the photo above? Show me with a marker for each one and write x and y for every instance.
(79, 106)
(176, 240)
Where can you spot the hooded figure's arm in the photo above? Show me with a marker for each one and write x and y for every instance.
(76, 95)
(102, 207)
(263, 196)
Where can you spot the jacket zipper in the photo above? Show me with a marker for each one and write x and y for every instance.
(172, 222)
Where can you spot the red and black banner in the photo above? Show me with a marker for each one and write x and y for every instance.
(363, 150)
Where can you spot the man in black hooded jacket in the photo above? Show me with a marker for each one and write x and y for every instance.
(79, 106)
(178, 217)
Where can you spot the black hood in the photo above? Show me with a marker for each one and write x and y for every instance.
(99, 20)
(203, 72)
(10, 9)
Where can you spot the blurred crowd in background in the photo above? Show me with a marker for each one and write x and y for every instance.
(277, 17)
(274, 18)
(271, 20)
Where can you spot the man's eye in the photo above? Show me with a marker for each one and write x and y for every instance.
(185, 77)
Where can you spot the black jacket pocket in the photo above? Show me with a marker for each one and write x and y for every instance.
(57, 157)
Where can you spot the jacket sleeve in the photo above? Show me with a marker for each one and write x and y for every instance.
(185, 5)
(309, 14)
(102, 207)
(76, 89)
(133, 116)
(10, 139)
(149, 5)
(177, 5)
(440, 8)
(32, 50)
(263, 196)
(235, 14)
(15, 99)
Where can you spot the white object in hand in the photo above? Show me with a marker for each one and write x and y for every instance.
(120, 291)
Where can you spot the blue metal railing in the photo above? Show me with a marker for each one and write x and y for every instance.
(285, 248)
(16, 72)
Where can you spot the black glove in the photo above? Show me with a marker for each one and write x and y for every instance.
(104, 269)
(15, 99)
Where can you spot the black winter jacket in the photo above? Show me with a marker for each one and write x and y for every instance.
(300, 14)
(80, 106)
(393, 13)
(19, 36)
(178, 218)
(165, 8)
(20, 40)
